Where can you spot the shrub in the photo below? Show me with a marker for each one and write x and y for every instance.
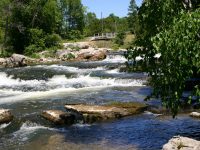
(120, 38)
(52, 40)
(31, 49)
(36, 41)
(69, 56)
(74, 35)
(37, 38)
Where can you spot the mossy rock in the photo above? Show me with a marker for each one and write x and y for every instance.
(115, 110)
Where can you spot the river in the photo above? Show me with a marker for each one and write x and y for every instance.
(30, 90)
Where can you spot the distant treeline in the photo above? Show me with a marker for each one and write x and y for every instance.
(28, 26)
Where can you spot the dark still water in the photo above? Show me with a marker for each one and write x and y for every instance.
(30, 90)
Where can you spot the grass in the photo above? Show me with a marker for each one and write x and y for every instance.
(86, 39)
(102, 44)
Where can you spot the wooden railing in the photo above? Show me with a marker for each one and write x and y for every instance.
(103, 36)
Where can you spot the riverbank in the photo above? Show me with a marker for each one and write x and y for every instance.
(72, 52)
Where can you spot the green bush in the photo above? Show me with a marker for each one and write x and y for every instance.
(37, 38)
(52, 40)
(69, 56)
(74, 35)
(37, 56)
(119, 39)
(31, 49)
(36, 41)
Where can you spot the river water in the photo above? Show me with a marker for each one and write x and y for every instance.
(30, 90)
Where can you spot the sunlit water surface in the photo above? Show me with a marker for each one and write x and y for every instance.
(30, 90)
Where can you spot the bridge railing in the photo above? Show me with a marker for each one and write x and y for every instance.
(104, 36)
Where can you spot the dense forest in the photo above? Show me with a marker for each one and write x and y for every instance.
(31, 26)
(166, 27)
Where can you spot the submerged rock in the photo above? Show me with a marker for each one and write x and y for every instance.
(58, 117)
(93, 113)
(182, 143)
(195, 114)
(5, 116)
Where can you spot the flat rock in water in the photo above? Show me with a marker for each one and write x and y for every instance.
(195, 114)
(93, 113)
(58, 117)
(182, 143)
(5, 116)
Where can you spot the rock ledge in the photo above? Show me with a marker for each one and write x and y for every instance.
(182, 143)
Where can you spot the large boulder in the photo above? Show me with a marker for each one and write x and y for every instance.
(80, 45)
(17, 60)
(182, 143)
(91, 54)
(2, 61)
(195, 114)
(5, 116)
(62, 53)
(58, 117)
(93, 113)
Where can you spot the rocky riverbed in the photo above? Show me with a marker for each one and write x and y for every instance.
(71, 52)
(31, 91)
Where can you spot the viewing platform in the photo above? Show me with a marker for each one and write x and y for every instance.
(103, 36)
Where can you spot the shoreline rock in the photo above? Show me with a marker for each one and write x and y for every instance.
(5, 116)
(95, 113)
(195, 114)
(182, 143)
(90, 54)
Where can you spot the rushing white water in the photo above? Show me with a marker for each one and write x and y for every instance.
(69, 69)
(27, 129)
(2, 126)
(115, 59)
(12, 90)
(83, 79)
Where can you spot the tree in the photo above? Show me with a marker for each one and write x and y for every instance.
(172, 30)
(180, 60)
(155, 16)
(72, 17)
(33, 14)
(132, 16)
(92, 24)
(4, 19)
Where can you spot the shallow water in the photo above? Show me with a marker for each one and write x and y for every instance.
(28, 91)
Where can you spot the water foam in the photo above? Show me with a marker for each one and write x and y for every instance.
(115, 59)
(57, 85)
(69, 69)
(28, 128)
(6, 80)
(2, 126)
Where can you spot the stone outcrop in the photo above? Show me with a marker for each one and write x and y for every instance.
(195, 114)
(93, 113)
(2, 62)
(80, 45)
(91, 54)
(58, 117)
(16, 60)
(5, 116)
(182, 143)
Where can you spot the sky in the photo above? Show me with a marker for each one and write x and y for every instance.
(118, 7)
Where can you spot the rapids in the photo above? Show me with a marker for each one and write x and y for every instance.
(28, 91)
